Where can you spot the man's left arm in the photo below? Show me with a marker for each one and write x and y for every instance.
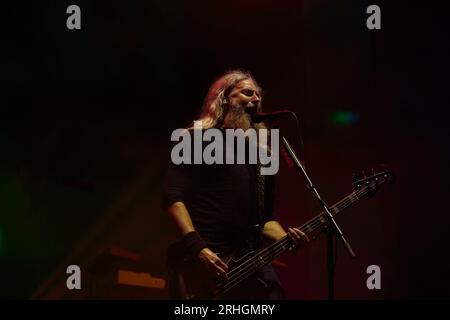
(273, 231)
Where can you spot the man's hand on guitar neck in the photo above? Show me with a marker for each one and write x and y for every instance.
(213, 263)
(273, 231)
(296, 236)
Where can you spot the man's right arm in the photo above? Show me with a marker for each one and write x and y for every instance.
(180, 216)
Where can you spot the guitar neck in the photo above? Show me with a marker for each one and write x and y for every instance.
(365, 187)
(314, 224)
(271, 252)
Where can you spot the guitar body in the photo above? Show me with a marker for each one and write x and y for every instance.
(191, 280)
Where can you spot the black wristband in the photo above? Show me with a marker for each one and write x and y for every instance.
(193, 242)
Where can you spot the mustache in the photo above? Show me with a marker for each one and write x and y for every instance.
(251, 109)
(238, 117)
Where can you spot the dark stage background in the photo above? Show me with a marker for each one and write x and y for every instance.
(86, 117)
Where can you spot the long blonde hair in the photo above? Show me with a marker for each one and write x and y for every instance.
(213, 105)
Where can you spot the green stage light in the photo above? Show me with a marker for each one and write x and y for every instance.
(344, 118)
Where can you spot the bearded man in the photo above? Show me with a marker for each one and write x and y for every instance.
(221, 209)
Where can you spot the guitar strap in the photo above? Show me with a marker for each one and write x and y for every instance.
(260, 188)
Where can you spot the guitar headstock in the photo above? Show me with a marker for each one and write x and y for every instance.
(370, 185)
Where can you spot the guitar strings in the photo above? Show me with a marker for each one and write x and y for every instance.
(253, 266)
(263, 258)
(312, 222)
(308, 227)
(245, 269)
(249, 267)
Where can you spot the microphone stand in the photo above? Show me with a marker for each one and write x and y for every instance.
(331, 230)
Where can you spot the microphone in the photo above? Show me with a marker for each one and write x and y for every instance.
(261, 116)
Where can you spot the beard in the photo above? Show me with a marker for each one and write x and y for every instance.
(237, 118)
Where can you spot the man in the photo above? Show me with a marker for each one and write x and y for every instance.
(224, 207)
